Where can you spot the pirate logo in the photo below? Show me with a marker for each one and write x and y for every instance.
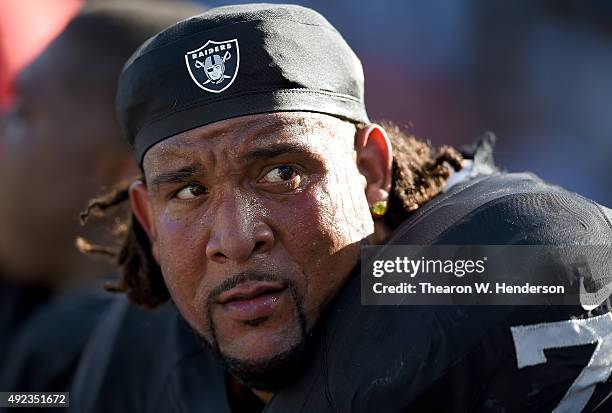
(213, 67)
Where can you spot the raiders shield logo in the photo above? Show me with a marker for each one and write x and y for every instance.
(214, 66)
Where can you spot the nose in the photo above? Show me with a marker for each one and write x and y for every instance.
(238, 231)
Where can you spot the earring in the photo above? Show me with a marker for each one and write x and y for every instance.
(379, 209)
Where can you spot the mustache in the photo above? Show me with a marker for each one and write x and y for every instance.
(243, 277)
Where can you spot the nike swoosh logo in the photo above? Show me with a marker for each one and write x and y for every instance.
(590, 301)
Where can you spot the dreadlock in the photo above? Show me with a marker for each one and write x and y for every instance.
(419, 173)
(141, 277)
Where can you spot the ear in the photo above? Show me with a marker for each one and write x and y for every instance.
(141, 208)
(375, 161)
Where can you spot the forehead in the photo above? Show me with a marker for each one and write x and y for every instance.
(310, 131)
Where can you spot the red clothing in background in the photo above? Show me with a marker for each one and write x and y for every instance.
(26, 27)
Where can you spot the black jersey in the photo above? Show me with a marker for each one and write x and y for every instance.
(470, 358)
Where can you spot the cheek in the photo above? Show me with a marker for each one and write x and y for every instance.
(323, 228)
(182, 260)
(340, 209)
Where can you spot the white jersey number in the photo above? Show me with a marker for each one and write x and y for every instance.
(531, 341)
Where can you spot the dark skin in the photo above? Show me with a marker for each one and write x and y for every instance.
(287, 195)
(61, 144)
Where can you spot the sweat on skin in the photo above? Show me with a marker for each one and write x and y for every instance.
(272, 206)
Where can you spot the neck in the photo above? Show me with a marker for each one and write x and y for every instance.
(382, 232)
(263, 396)
(242, 396)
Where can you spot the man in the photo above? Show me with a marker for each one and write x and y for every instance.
(61, 142)
(258, 192)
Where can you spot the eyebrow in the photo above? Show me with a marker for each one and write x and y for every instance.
(274, 151)
(187, 173)
(181, 175)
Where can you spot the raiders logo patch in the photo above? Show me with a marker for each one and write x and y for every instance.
(214, 66)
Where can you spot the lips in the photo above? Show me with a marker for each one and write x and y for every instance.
(252, 300)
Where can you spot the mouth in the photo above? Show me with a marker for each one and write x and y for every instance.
(252, 301)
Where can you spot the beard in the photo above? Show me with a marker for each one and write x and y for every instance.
(273, 373)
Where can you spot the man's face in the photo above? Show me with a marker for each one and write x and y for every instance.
(256, 224)
(33, 167)
(49, 154)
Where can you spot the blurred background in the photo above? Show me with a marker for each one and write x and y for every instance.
(536, 73)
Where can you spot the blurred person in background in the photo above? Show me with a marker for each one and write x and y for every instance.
(61, 143)
(26, 28)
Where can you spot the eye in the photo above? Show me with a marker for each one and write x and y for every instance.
(191, 191)
(281, 174)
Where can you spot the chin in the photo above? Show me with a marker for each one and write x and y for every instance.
(267, 365)
(262, 354)
(259, 341)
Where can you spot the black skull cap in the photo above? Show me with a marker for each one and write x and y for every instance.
(269, 58)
